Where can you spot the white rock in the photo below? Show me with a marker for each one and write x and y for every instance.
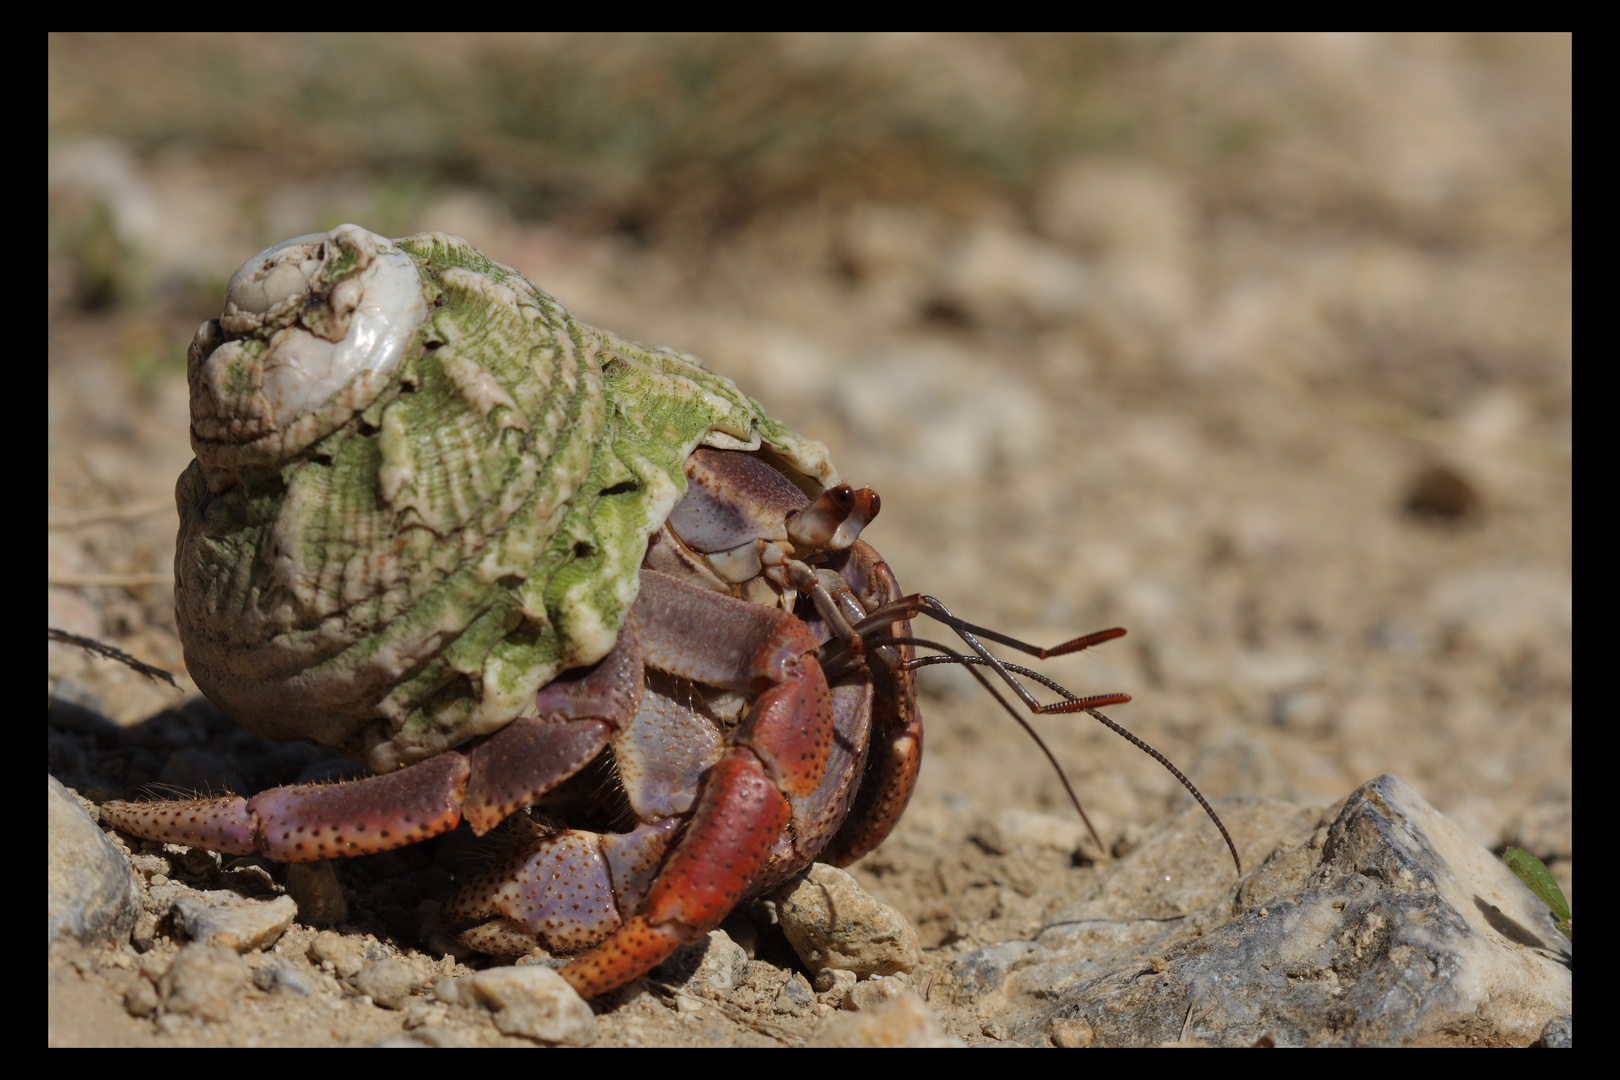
(219, 918)
(386, 982)
(832, 923)
(90, 890)
(532, 1001)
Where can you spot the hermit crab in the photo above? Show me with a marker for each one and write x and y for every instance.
(504, 560)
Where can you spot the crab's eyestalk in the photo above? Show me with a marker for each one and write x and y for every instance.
(835, 520)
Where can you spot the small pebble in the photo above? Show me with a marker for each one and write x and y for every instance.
(532, 1001)
(346, 955)
(1072, 1034)
(398, 1042)
(833, 986)
(833, 923)
(140, 997)
(905, 1020)
(874, 992)
(421, 1013)
(151, 865)
(387, 982)
(145, 931)
(204, 981)
(1558, 1033)
(795, 996)
(285, 980)
(713, 963)
(243, 925)
(154, 965)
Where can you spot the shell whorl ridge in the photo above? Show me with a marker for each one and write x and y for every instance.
(422, 489)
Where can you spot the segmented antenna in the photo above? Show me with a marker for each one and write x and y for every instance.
(1078, 704)
(844, 657)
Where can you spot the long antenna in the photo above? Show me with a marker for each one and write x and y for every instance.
(952, 657)
(1078, 704)
(840, 656)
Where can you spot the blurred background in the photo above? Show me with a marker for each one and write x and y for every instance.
(1256, 345)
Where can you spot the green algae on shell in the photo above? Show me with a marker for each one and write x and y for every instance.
(423, 489)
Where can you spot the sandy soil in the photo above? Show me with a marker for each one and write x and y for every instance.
(1300, 418)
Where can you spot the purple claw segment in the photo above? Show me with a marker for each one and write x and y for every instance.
(608, 690)
(223, 824)
(895, 751)
(558, 890)
(665, 750)
(307, 822)
(818, 815)
(524, 760)
(714, 639)
(730, 500)
(634, 858)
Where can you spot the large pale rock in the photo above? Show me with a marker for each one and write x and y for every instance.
(832, 923)
(1386, 925)
(90, 892)
(221, 918)
(532, 1001)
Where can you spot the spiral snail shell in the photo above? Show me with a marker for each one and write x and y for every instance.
(422, 489)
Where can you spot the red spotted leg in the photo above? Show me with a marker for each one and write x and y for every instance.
(779, 752)
(484, 784)
(896, 751)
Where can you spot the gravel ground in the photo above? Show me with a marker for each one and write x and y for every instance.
(1299, 417)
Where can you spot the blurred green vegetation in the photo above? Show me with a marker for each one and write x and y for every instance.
(1395, 204)
(632, 131)
(679, 136)
(1534, 873)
